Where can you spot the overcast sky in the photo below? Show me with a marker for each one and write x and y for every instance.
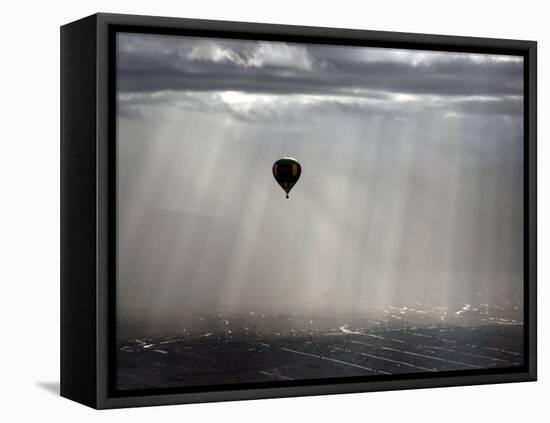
(411, 185)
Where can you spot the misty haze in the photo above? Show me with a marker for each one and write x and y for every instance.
(400, 249)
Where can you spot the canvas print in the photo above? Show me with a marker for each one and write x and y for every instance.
(296, 211)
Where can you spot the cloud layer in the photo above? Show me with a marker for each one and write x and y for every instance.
(379, 79)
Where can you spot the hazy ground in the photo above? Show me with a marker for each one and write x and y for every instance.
(236, 347)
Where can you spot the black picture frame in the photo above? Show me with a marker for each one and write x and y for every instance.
(88, 208)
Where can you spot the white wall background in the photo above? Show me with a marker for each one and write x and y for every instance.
(29, 216)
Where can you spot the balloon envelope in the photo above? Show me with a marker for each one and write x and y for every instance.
(287, 172)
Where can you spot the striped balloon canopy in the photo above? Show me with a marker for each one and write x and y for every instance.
(287, 172)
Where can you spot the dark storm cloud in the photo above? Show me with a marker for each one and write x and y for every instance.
(156, 63)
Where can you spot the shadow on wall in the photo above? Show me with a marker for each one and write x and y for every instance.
(51, 387)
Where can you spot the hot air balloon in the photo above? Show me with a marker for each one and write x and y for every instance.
(287, 172)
